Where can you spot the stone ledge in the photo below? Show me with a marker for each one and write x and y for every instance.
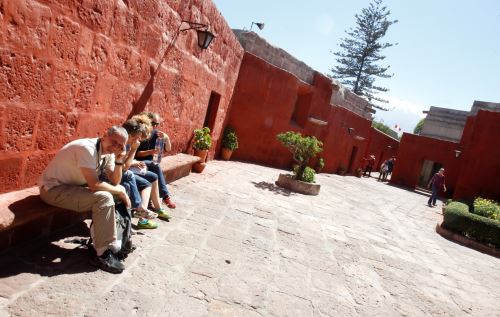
(177, 166)
(24, 216)
(460, 239)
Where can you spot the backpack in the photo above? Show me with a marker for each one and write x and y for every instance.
(123, 244)
(123, 218)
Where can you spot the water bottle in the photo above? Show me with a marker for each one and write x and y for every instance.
(159, 149)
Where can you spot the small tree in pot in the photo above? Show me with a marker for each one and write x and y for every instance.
(229, 143)
(303, 149)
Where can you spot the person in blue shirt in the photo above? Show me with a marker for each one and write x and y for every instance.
(146, 151)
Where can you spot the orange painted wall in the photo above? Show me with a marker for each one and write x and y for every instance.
(414, 149)
(261, 107)
(263, 104)
(71, 69)
(340, 143)
(382, 146)
(480, 172)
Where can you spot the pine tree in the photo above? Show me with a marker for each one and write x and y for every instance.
(361, 52)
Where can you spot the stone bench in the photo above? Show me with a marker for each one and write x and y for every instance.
(177, 166)
(24, 216)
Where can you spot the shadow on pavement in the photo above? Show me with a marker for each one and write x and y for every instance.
(61, 253)
(273, 188)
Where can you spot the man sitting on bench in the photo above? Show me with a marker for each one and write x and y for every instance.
(85, 175)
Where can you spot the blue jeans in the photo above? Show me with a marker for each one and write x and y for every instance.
(434, 194)
(162, 184)
(129, 182)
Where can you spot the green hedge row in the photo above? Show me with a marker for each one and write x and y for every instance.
(458, 218)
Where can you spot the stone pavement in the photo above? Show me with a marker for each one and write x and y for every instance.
(239, 246)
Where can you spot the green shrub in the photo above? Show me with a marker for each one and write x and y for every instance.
(457, 218)
(486, 208)
(307, 175)
(202, 139)
(229, 139)
(303, 148)
(321, 163)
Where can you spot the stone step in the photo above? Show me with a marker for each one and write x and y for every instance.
(177, 166)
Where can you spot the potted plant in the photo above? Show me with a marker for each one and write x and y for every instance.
(303, 148)
(359, 172)
(320, 163)
(229, 143)
(341, 170)
(201, 144)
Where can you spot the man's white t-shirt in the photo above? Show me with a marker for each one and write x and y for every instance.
(65, 167)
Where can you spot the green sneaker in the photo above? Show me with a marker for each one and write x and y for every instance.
(162, 214)
(146, 224)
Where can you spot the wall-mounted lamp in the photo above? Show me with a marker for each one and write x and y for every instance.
(205, 37)
(457, 153)
(350, 130)
(259, 25)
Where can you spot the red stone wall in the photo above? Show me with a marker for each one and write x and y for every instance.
(475, 173)
(414, 149)
(480, 171)
(263, 105)
(339, 142)
(382, 146)
(70, 69)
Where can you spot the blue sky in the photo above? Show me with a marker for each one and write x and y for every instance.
(448, 52)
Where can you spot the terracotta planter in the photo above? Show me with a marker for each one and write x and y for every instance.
(289, 182)
(202, 154)
(199, 167)
(359, 172)
(226, 154)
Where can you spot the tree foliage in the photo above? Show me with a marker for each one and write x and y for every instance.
(419, 126)
(303, 148)
(361, 52)
(385, 128)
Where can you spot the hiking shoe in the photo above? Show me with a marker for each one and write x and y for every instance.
(108, 262)
(170, 204)
(162, 214)
(144, 213)
(146, 224)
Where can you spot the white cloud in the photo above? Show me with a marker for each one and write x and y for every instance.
(324, 24)
(406, 106)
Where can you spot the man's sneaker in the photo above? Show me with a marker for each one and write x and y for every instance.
(162, 214)
(429, 205)
(146, 224)
(170, 204)
(108, 262)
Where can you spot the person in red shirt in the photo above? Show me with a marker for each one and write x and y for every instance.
(437, 182)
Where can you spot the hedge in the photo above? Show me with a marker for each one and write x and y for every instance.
(457, 218)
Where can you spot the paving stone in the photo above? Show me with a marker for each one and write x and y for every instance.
(239, 246)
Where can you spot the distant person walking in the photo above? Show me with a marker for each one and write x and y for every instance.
(390, 165)
(384, 168)
(436, 182)
(369, 165)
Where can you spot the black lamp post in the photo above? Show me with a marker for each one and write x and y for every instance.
(259, 25)
(205, 37)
